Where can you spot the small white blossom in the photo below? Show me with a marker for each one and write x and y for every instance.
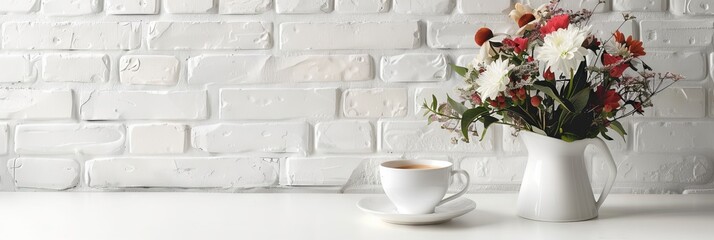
(494, 80)
(562, 50)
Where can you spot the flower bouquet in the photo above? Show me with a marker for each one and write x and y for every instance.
(565, 87)
(552, 77)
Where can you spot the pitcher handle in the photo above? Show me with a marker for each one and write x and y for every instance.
(600, 144)
(460, 193)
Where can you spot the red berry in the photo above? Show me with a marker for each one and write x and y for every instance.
(535, 101)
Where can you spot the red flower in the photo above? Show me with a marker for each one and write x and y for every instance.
(555, 23)
(633, 46)
(518, 44)
(483, 35)
(616, 71)
(548, 75)
(606, 100)
(638, 107)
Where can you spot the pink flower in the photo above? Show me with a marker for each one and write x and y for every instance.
(476, 99)
(555, 23)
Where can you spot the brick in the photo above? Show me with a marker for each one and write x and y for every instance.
(492, 170)
(689, 33)
(35, 104)
(692, 64)
(244, 6)
(214, 35)
(426, 7)
(574, 5)
(374, 103)
(18, 6)
(189, 6)
(605, 29)
(510, 141)
(144, 105)
(674, 137)
(349, 35)
(484, 7)
(149, 70)
(320, 171)
(291, 137)
(639, 5)
(70, 8)
(415, 67)
(44, 173)
(81, 67)
(657, 169)
(183, 172)
(71, 35)
(418, 136)
(157, 138)
(691, 7)
(363, 6)
(455, 35)
(465, 59)
(48, 139)
(4, 139)
(227, 68)
(274, 103)
(128, 7)
(344, 137)
(325, 68)
(17, 68)
(679, 103)
(303, 6)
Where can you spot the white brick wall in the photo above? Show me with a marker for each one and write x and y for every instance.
(87, 68)
(221, 95)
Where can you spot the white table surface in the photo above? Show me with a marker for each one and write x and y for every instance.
(176, 216)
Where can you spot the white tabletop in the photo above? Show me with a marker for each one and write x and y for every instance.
(276, 216)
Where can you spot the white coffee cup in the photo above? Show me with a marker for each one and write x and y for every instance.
(419, 186)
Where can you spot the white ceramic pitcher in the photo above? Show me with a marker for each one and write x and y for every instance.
(556, 187)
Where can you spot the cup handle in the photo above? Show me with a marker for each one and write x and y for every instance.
(600, 144)
(460, 193)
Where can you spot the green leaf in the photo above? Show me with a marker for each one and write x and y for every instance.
(580, 79)
(549, 89)
(569, 137)
(580, 100)
(468, 117)
(487, 121)
(523, 115)
(457, 106)
(603, 132)
(617, 126)
(462, 71)
(434, 102)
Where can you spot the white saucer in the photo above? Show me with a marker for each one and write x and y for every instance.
(384, 209)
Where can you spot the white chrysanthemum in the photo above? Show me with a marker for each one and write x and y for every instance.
(617, 49)
(494, 80)
(562, 50)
